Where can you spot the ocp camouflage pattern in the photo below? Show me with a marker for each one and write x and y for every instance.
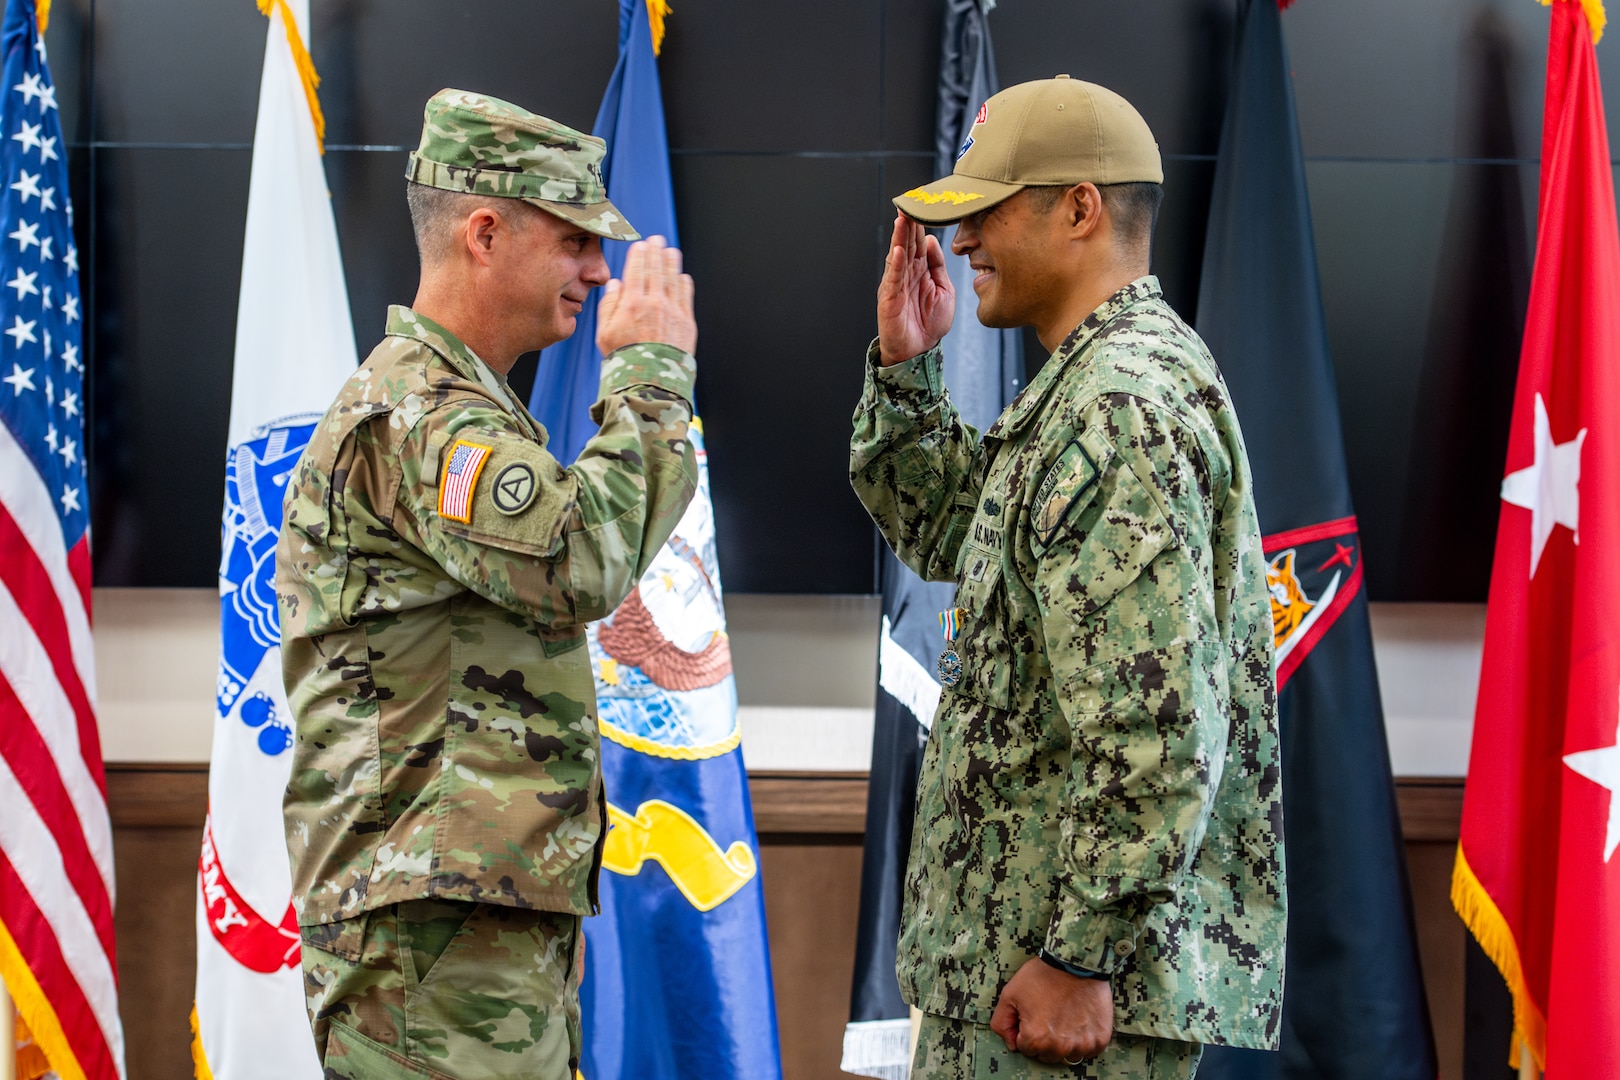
(1105, 778)
(446, 731)
(435, 989)
(481, 145)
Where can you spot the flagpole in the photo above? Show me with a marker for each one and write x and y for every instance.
(8, 1028)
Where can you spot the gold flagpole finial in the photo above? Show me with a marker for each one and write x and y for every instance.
(657, 11)
(1596, 17)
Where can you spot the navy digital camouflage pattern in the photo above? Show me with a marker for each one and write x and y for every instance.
(961, 1050)
(1104, 778)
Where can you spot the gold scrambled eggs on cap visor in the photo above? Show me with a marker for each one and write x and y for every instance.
(953, 198)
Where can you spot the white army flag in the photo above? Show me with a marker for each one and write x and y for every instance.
(294, 349)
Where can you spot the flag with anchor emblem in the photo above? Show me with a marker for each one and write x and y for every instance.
(677, 966)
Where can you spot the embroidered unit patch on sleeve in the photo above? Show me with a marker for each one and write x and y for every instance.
(1073, 472)
(461, 480)
(514, 488)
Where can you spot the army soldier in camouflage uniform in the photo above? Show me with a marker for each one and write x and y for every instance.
(1095, 886)
(435, 574)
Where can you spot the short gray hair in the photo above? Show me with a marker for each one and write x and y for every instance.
(437, 216)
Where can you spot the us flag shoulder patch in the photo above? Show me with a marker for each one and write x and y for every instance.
(461, 471)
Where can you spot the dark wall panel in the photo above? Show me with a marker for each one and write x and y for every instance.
(168, 261)
(790, 129)
(1167, 59)
(783, 322)
(381, 59)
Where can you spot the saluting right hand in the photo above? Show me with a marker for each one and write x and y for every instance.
(652, 303)
(916, 300)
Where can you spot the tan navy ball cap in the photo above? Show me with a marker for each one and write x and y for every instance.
(1043, 133)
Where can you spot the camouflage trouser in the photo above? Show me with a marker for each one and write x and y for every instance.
(958, 1050)
(445, 991)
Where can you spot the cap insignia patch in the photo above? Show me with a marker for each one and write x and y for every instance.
(967, 144)
(984, 114)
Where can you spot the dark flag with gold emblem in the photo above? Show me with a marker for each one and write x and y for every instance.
(1353, 1006)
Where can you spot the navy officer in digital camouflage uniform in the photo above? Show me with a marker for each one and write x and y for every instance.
(435, 574)
(1095, 886)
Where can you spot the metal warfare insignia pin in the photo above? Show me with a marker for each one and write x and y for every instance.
(514, 488)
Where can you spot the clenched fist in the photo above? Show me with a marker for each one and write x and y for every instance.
(1053, 1016)
(652, 303)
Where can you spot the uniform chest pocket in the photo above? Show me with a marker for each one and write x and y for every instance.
(1103, 529)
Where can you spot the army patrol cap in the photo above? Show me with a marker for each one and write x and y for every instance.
(1044, 133)
(481, 145)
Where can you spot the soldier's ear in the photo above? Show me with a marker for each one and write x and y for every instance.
(1083, 207)
(478, 233)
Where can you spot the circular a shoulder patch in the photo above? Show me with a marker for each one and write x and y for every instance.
(514, 488)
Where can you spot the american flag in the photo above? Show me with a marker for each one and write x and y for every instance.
(56, 864)
(460, 480)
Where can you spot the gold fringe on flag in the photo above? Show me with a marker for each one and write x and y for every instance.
(306, 66)
(657, 11)
(35, 1009)
(1595, 15)
(199, 1060)
(1484, 920)
(31, 1063)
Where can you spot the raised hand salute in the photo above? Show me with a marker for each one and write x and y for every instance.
(916, 300)
(652, 303)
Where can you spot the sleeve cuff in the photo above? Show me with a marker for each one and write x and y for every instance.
(649, 363)
(1089, 939)
(923, 374)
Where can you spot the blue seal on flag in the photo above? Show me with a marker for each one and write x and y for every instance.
(256, 475)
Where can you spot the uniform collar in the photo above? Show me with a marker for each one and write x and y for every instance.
(403, 322)
(1029, 402)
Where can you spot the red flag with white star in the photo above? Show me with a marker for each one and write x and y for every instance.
(1536, 877)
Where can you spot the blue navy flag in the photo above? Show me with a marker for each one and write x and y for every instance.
(984, 369)
(677, 966)
(1354, 1007)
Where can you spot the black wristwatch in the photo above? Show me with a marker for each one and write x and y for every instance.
(1072, 969)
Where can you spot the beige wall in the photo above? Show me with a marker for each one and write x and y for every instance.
(806, 668)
